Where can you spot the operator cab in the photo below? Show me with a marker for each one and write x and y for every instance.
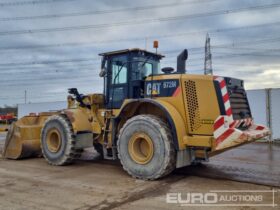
(125, 72)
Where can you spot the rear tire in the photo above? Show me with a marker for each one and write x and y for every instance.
(57, 141)
(145, 148)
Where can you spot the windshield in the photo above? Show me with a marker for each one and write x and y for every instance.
(143, 68)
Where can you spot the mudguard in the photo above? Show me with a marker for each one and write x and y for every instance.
(173, 116)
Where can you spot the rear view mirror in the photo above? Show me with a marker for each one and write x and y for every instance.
(103, 71)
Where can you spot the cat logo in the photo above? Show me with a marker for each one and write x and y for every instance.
(155, 90)
(162, 88)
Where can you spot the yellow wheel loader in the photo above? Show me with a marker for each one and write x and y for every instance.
(153, 120)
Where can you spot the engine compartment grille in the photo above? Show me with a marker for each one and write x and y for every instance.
(192, 103)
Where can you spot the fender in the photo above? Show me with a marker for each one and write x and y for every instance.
(79, 120)
(173, 116)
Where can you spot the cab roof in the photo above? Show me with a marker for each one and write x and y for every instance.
(119, 52)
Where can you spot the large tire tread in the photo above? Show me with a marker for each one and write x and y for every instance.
(170, 162)
(71, 152)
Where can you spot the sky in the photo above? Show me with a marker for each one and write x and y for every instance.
(48, 46)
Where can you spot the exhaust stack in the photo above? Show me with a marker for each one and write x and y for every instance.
(181, 61)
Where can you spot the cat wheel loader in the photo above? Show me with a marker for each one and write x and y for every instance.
(153, 120)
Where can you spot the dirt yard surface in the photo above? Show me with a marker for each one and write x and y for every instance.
(33, 184)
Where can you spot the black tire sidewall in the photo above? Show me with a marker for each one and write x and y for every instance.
(154, 166)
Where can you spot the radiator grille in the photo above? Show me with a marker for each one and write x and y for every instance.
(238, 99)
(239, 104)
(192, 102)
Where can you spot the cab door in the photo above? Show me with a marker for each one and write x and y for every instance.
(117, 82)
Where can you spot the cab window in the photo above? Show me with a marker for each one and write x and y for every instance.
(147, 70)
(143, 68)
(119, 73)
(119, 69)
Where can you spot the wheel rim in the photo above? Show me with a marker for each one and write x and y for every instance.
(53, 140)
(141, 148)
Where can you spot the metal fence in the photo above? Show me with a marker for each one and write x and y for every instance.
(25, 109)
(265, 104)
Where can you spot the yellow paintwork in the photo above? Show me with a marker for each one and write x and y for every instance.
(93, 119)
(198, 140)
(140, 148)
(178, 109)
(53, 140)
(177, 119)
(84, 119)
(79, 119)
(207, 103)
(23, 139)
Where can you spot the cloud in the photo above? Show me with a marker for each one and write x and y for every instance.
(50, 81)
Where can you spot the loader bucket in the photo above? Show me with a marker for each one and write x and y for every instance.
(23, 138)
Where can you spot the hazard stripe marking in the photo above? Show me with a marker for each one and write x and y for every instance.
(219, 123)
(222, 137)
(176, 92)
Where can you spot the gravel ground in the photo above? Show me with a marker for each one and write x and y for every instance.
(93, 184)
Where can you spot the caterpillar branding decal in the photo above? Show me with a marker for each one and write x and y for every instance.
(162, 88)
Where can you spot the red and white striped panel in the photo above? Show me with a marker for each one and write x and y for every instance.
(242, 122)
(225, 95)
(227, 134)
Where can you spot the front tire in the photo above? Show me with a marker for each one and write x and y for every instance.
(145, 147)
(57, 141)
